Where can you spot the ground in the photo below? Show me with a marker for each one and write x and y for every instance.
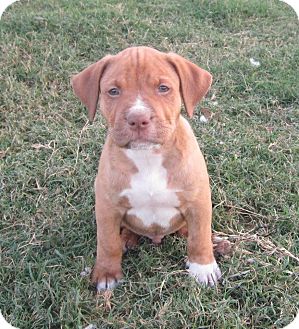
(49, 155)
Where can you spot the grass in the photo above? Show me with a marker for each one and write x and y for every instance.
(49, 156)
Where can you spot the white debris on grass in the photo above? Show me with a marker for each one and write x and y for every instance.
(91, 326)
(203, 119)
(254, 62)
(86, 271)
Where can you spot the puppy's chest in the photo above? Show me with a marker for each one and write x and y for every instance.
(150, 198)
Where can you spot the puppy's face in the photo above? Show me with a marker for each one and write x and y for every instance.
(139, 92)
(140, 97)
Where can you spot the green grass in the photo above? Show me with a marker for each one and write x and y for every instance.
(49, 156)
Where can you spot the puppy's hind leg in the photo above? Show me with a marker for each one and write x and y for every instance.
(129, 239)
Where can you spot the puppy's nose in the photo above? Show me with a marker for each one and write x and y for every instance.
(139, 120)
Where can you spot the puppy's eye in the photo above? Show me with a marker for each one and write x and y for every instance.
(114, 92)
(163, 89)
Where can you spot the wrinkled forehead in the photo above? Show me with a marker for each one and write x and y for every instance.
(138, 65)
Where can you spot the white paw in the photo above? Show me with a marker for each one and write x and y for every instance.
(107, 284)
(207, 274)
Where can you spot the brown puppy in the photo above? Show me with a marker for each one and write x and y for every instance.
(152, 177)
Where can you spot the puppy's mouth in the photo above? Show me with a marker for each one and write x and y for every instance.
(142, 145)
(145, 139)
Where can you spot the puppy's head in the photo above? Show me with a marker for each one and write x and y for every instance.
(139, 91)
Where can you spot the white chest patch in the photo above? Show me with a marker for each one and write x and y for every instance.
(150, 199)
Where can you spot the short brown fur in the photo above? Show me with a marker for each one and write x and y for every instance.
(137, 71)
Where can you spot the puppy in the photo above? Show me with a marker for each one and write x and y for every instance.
(152, 178)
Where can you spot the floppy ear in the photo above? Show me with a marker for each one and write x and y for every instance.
(194, 81)
(86, 85)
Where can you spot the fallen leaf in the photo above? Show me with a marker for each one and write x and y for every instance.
(107, 297)
(222, 247)
(2, 154)
(40, 146)
(270, 129)
(207, 113)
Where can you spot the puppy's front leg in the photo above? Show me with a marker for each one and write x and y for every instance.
(107, 272)
(202, 264)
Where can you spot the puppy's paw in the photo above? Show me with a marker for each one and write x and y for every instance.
(129, 239)
(207, 274)
(105, 280)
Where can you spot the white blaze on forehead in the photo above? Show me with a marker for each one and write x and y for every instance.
(150, 198)
(139, 106)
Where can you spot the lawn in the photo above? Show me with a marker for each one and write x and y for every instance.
(49, 155)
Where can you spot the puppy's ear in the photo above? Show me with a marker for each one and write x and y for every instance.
(86, 85)
(194, 81)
